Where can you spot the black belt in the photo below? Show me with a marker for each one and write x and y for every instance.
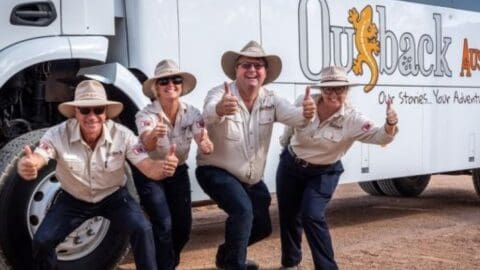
(303, 163)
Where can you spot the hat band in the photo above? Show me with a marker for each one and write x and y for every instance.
(160, 72)
(324, 81)
(100, 99)
(252, 54)
(253, 51)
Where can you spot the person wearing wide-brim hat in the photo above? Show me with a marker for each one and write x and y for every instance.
(310, 166)
(169, 120)
(90, 93)
(239, 117)
(90, 150)
(167, 69)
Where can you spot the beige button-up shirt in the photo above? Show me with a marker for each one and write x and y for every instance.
(90, 175)
(242, 140)
(327, 142)
(188, 123)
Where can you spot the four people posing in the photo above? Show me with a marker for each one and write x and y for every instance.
(233, 136)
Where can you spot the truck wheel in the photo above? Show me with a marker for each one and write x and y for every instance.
(404, 186)
(371, 187)
(476, 180)
(23, 205)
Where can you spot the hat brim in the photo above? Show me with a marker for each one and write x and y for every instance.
(114, 108)
(274, 64)
(333, 84)
(189, 83)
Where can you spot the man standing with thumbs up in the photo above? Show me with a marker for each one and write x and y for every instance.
(91, 150)
(239, 117)
(310, 167)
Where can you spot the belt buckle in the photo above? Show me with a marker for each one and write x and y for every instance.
(302, 163)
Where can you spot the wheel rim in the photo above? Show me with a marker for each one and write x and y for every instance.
(81, 242)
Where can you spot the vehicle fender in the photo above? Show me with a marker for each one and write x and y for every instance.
(119, 76)
(27, 53)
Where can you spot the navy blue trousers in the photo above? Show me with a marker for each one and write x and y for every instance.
(168, 203)
(68, 213)
(247, 207)
(303, 194)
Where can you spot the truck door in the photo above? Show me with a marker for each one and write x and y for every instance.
(88, 17)
(26, 19)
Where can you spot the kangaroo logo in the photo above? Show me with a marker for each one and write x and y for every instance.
(366, 41)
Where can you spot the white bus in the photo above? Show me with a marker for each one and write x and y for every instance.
(424, 54)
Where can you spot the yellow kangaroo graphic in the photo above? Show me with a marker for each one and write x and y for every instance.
(366, 41)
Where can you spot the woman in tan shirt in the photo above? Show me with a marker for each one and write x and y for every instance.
(310, 167)
(169, 121)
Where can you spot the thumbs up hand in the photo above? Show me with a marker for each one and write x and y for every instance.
(27, 151)
(149, 138)
(204, 143)
(160, 129)
(228, 105)
(391, 118)
(27, 166)
(171, 161)
(309, 107)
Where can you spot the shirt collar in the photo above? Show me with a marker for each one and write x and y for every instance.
(258, 100)
(107, 126)
(234, 89)
(156, 108)
(340, 113)
(74, 129)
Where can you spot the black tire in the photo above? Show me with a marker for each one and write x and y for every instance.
(411, 186)
(371, 187)
(15, 239)
(476, 180)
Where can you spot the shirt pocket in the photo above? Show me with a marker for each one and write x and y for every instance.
(75, 165)
(306, 135)
(114, 163)
(233, 127)
(183, 141)
(265, 121)
(267, 117)
(186, 133)
(332, 134)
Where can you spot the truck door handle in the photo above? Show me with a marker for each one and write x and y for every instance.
(34, 14)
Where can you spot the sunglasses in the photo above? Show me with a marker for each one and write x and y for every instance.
(175, 80)
(248, 65)
(337, 90)
(96, 110)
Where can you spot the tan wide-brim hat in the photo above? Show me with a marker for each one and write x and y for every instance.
(252, 49)
(333, 76)
(168, 68)
(90, 93)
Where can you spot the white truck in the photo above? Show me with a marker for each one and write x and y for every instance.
(424, 54)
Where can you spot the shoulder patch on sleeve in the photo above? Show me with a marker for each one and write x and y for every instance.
(145, 123)
(367, 125)
(45, 146)
(139, 149)
(200, 123)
